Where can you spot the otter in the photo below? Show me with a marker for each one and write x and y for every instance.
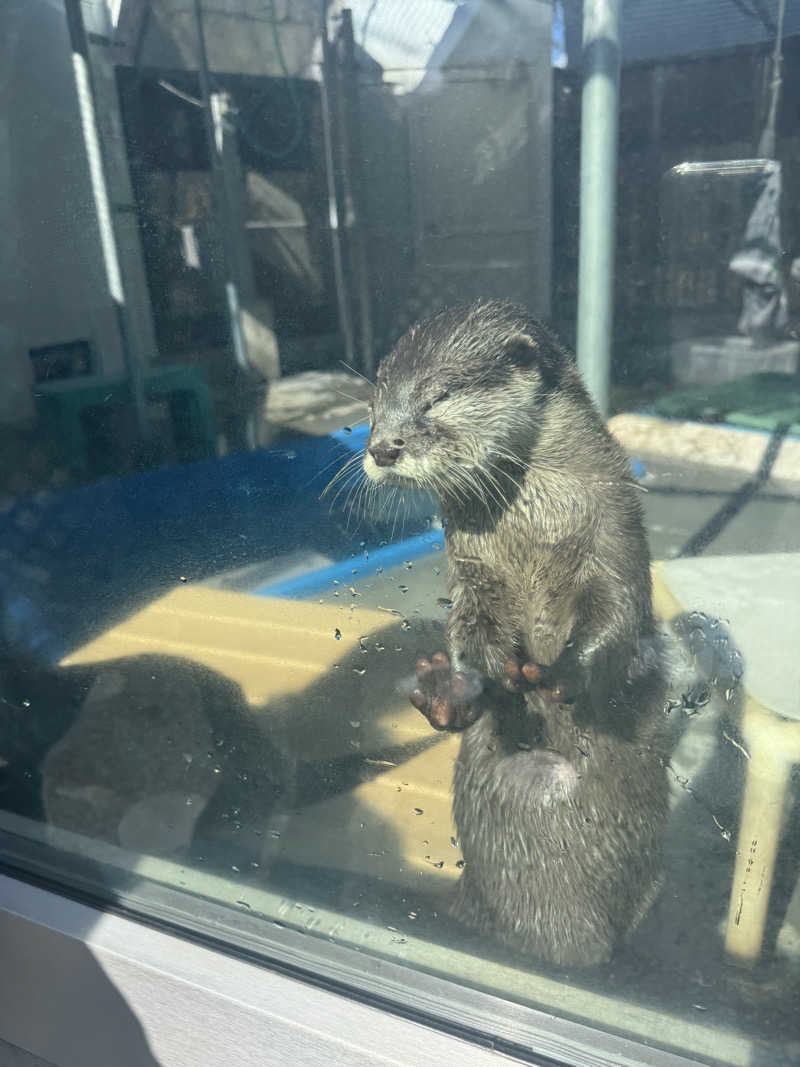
(554, 672)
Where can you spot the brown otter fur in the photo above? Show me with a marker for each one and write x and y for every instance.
(560, 792)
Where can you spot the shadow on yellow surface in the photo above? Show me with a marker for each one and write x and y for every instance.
(321, 684)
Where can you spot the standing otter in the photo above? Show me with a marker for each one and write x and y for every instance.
(554, 672)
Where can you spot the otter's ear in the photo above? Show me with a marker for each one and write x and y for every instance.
(527, 352)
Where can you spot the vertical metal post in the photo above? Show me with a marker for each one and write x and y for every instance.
(599, 126)
(766, 144)
(84, 84)
(215, 108)
(353, 187)
(326, 91)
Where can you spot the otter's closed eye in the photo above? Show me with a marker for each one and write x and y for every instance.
(435, 401)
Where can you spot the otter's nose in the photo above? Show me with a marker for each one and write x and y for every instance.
(386, 453)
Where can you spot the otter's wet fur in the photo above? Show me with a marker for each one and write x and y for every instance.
(559, 806)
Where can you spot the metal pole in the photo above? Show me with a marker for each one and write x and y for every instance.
(214, 119)
(599, 124)
(353, 186)
(766, 144)
(98, 173)
(326, 91)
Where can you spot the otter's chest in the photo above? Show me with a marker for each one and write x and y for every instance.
(527, 602)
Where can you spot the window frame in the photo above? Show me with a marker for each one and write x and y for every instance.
(311, 1002)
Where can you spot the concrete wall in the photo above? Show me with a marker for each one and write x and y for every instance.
(52, 280)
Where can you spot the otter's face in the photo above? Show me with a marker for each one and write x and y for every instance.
(456, 402)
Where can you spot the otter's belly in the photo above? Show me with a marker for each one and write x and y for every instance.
(548, 624)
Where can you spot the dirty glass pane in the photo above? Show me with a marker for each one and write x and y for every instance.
(216, 587)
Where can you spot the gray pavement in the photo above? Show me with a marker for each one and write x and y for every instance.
(682, 498)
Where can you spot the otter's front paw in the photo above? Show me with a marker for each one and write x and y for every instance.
(444, 696)
(520, 677)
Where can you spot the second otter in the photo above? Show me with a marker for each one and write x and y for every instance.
(553, 671)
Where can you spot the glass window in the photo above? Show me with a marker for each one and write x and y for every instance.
(475, 671)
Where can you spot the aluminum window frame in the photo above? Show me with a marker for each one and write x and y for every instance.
(156, 997)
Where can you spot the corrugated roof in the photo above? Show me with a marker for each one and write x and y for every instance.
(663, 29)
(401, 35)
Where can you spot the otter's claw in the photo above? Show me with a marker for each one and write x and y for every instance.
(444, 696)
(522, 677)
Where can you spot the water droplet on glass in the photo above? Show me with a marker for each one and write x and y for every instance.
(275, 833)
(453, 842)
(337, 633)
(183, 578)
(355, 723)
(347, 429)
(218, 770)
(408, 564)
(26, 703)
(417, 811)
(461, 864)
(412, 914)
(405, 625)
(243, 904)
(255, 864)
(235, 868)
(359, 670)
(380, 646)
(403, 588)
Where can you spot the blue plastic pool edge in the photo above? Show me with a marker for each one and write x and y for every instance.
(345, 571)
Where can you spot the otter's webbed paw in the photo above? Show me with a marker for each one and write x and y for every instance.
(446, 698)
(562, 683)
